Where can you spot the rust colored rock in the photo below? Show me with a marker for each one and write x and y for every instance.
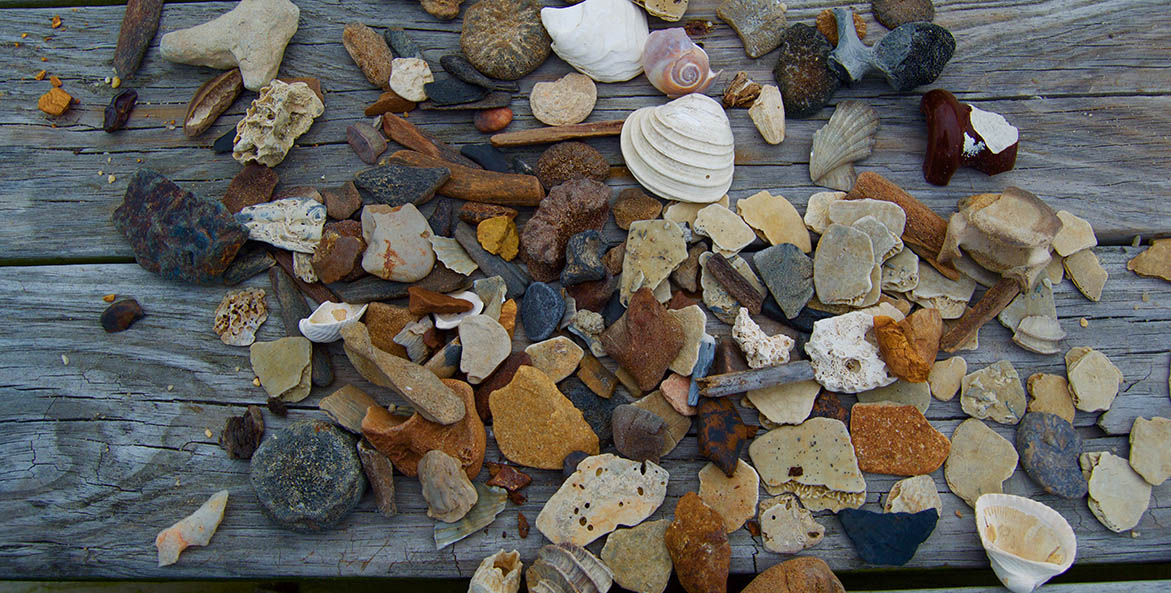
(121, 315)
(633, 204)
(613, 258)
(369, 51)
(251, 186)
(827, 24)
(343, 201)
(384, 322)
(896, 439)
(908, 347)
(337, 257)
(805, 574)
(499, 378)
(423, 301)
(442, 9)
(570, 208)
(55, 102)
(645, 339)
(722, 434)
(405, 133)
(389, 102)
(699, 546)
(522, 525)
(474, 213)
(139, 25)
(594, 295)
(566, 161)
(507, 477)
(405, 440)
(367, 142)
(493, 120)
(242, 434)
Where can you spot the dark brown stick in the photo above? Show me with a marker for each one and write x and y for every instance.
(410, 136)
(478, 185)
(990, 305)
(557, 133)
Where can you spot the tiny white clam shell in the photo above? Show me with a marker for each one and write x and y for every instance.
(602, 39)
(452, 320)
(847, 137)
(1027, 542)
(326, 322)
(674, 64)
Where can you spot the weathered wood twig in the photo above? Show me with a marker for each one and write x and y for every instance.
(410, 136)
(478, 185)
(735, 283)
(990, 305)
(925, 229)
(741, 381)
(558, 133)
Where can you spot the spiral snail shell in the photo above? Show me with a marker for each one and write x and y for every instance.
(674, 64)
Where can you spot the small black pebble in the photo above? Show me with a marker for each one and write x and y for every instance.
(226, 142)
(277, 406)
(487, 156)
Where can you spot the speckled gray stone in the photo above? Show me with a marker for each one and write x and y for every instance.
(1049, 447)
(788, 274)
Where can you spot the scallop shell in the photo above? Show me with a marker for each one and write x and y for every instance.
(567, 568)
(682, 150)
(452, 320)
(676, 65)
(848, 137)
(452, 255)
(1027, 542)
(325, 324)
(602, 39)
(489, 502)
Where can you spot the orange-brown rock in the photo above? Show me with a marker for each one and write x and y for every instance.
(55, 102)
(896, 439)
(698, 544)
(423, 301)
(499, 378)
(908, 347)
(645, 339)
(535, 424)
(799, 575)
(827, 25)
(474, 213)
(384, 323)
(508, 316)
(389, 102)
(405, 440)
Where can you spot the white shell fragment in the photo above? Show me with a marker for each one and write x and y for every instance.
(775, 219)
(682, 150)
(567, 568)
(768, 114)
(760, 349)
(847, 137)
(606, 491)
(884, 243)
(1093, 379)
(1118, 496)
(498, 573)
(912, 495)
(787, 527)
(1150, 449)
(847, 212)
(844, 354)
(292, 223)
(602, 39)
(325, 324)
(452, 320)
(814, 460)
(451, 254)
(273, 122)
(239, 315)
(195, 529)
(945, 377)
(1027, 542)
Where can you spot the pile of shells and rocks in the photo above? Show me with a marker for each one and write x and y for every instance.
(867, 293)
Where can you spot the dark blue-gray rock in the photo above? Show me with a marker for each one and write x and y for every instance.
(912, 55)
(395, 185)
(541, 311)
(703, 366)
(307, 477)
(571, 462)
(803, 322)
(293, 310)
(442, 219)
(401, 44)
(887, 538)
(488, 157)
(1049, 447)
(492, 100)
(583, 258)
(372, 288)
(788, 274)
(515, 279)
(226, 142)
(459, 67)
(251, 260)
(175, 234)
(597, 411)
(638, 434)
(613, 310)
(453, 91)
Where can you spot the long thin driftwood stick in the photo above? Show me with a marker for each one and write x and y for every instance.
(990, 305)
(557, 133)
(741, 381)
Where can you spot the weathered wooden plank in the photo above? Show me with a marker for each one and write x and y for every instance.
(100, 454)
(1088, 140)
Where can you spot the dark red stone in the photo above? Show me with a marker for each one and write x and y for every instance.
(522, 525)
(121, 315)
(948, 121)
(119, 109)
(645, 339)
(722, 434)
(507, 477)
(829, 405)
(337, 257)
(593, 295)
(251, 186)
(343, 201)
(570, 208)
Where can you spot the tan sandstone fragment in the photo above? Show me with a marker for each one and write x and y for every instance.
(1050, 394)
(945, 377)
(786, 526)
(535, 425)
(980, 461)
(606, 491)
(815, 460)
(1093, 380)
(733, 498)
(1118, 496)
(1150, 449)
(914, 494)
(775, 219)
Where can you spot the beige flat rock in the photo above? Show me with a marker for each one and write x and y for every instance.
(283, 367)
(980, 461)
(693, 319)
(817, 210)
(685, 212)
(935, 290)
(728, 232)
(1118, 496)
(1093, 379)
(787, 527)
(847, 212)
(733, 498)
(1050, 393)
(558, 357)
(899, 392)
(900, 273)
(885, 243)
(788, 403)
(814, 460)
(654, 248)
(1087, 273)
(945, 377)
(775, 219)
(606, 491)
(843, 266)
(1075, 235)
(994, 392)
(914, 494)
(1150, 449)
(677, 424)
(1155, 262)
(638, 557)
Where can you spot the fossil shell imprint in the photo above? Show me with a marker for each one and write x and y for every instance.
(676, 65)
(848, 137)
(603, 39)
(682, 150)
(326, 322)
(1027, 542)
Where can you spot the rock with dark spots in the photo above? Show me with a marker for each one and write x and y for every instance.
(645, 339)
(442, 217)
(892, 13)
(632, 205)
(453, 91)
(722, 434)
(307, 477)
(887, 538)
(488, 157)
(593, 295)
(570, 208)
(583, 259)
(788, 274)
(638, 434)
(459, 67)
(699, 548)
(337, 257)
(367, 142)
(514, 277)
(499, 378)
(686, 275)
(343, 201)
(395, 185)
(566, 161)
(401, 44)
(225, 143)
(175, 234)
(1049, 447)
(541, 311)
(121, 315)
(242, 434)
(370, 52)
(802, 71)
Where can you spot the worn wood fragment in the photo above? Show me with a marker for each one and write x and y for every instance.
(925, 229)
(741, 381)
(139, 25)
(410, 136)
(735, 283)
(990, 305)
(478, 185)
(552, 134)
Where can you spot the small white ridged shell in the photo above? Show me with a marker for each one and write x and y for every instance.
(675, 65)
(602, 39)
(682, 150)
(1027, 542)
(847, 137)
(452, 255)
(452, 320)
(325, 324)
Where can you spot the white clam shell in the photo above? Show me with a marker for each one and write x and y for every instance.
(682, 150)
(848, 137)
(603, 39)
(326, 322)
(1027, 542)
(452, 320)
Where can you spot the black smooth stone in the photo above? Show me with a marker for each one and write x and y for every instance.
(453, 91)
(1049, 448)
(541, 311)
(613, 309)
(459, 67)
(583, 258)
(492, 100)
(307, 477)
(395, 185)
(488, 156)
(597, 411)
(887, 538)
(401, 44)
(226, 142)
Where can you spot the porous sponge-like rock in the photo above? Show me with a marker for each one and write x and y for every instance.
(275, 119)
(760, 349)
(845, 356)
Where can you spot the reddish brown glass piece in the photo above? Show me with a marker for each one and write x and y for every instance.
(960, 136)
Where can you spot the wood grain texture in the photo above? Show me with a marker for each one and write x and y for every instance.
(102, 453)
(1086, 81)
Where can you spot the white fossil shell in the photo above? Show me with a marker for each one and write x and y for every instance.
(325, 324)
(452, 255)
(674, 64)
(682, 150)
(292, 223)
(1027, 542)
(848, 137)
(603, 39)
(452, 320)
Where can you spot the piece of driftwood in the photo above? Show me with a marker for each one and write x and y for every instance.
(405, 133)
(741, 381)
(991, 303)
(478, 185)
(552, 134)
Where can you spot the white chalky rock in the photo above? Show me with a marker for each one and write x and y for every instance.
(274, 121)
(729, 233)
(408, 77)
(844, 354)
(760, 349)
(292, 223)
(912, 495)
(817, 209)
(786, 526)
(1118, 496)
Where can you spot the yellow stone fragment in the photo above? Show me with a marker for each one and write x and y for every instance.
(498, 236)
